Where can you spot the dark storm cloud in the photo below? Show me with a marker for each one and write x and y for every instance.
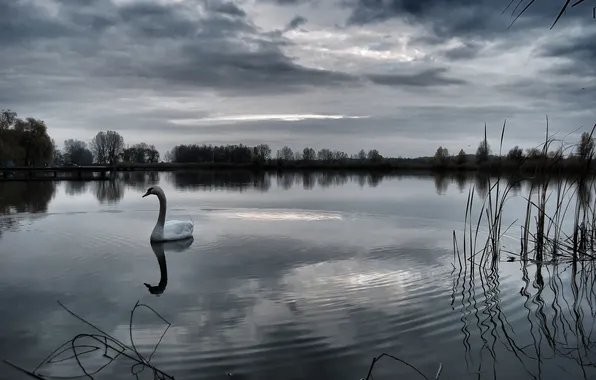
(578, 52)
(485, 19)
(467, 51)
(230, 9)
(287, 2)
(204, 44)
(242, 72)
(574, 96)
(581, 48)
(426, 78)
(445, 17)
(22, 22)
(173, 46)
(296, 22)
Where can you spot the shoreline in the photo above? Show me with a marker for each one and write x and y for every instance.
(530, 168)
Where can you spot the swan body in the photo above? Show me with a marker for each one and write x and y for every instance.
(172, 229)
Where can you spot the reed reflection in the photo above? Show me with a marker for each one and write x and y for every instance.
(557, 263)
(559, 320)
(159, 249)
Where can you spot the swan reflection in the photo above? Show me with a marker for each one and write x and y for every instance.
(159, 249)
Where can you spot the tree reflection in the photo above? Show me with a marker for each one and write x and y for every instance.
(286, 180)
(23, 197)
(462, 181)
(482, 183)
(140, 180)
(109, 191)
(76, 187)
(308, 180)
(441, 183)
(234, 180)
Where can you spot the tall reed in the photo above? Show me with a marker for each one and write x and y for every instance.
(544, 235)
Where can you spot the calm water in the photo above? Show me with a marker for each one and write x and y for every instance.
(288, 277)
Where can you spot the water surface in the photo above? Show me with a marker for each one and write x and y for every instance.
(294, 276)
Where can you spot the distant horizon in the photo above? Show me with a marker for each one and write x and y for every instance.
(571, 138)
(494, 142)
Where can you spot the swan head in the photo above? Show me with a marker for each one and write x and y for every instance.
(155, 190)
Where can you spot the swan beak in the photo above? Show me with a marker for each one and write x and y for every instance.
(147, 193)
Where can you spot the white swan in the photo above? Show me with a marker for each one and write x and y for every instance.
(172, 229)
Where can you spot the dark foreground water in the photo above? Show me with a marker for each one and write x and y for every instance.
(289, 277)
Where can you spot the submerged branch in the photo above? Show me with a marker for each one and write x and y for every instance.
(105, 341)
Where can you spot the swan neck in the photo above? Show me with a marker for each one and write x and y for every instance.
(162, 209)
(163, 269)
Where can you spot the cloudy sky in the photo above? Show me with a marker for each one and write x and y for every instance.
(402, 76)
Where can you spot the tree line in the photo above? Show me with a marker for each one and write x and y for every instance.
(26, 142)
(584, 151)
(106, 148)
(260, 154)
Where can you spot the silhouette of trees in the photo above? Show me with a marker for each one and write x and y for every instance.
(262, 152)
(533, 153)
(308, 154)
(140, 153)
(374, 155)
(483, 151)
(76, 151)
(325, 155)
(461, 157)
(107, 147)
(224, 153)
(515, 154)
(441, 155)
(58, 156)
(24, 142)
(585, 149)
(286, 153)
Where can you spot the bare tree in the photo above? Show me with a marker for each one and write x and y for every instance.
(441, 155)
(308, 154)
(99, 146)
(107, 147)
(461, 157)
(76, 151)
(263, 152)
(325, 155)
(285, 153)
(515, 154)
(585, 148)
(374, 155)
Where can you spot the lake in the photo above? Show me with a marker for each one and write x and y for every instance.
(293, 276)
